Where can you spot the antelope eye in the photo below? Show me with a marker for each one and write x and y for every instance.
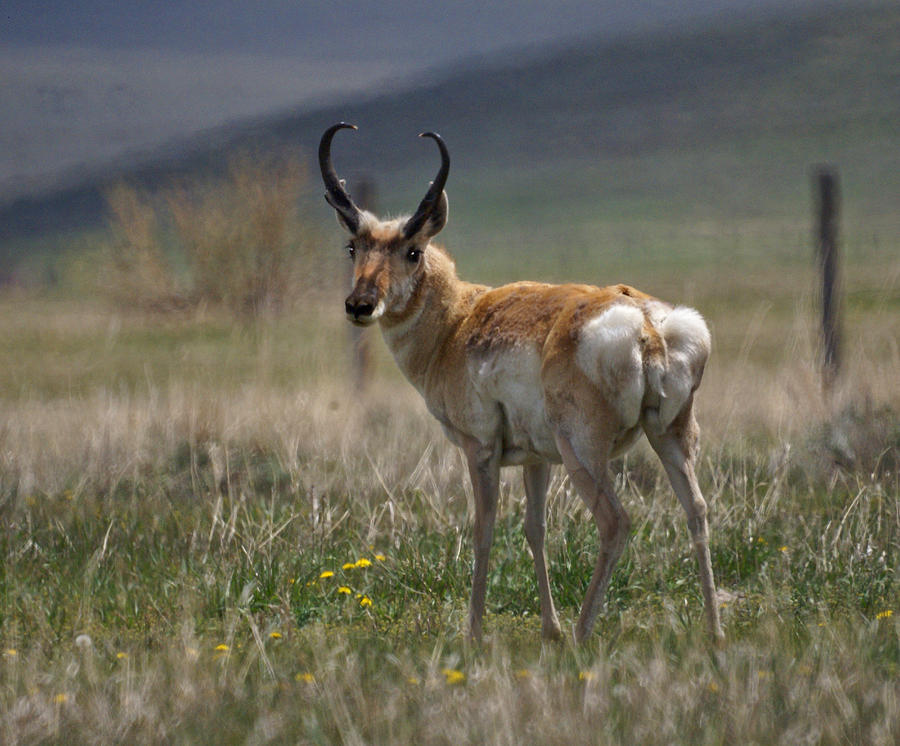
(413, 255)
(351, 252)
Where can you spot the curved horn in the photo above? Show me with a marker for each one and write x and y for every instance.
(335, 193)
(426, 206)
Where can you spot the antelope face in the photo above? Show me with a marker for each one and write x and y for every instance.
(387, 268)
(388, 256)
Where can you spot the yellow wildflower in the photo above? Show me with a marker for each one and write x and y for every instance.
(305, 677)
(121, 656)
(362, 562)
(61, 699)
(11, 652)
(348, 566)
(380, 557)
(886, 614)
(365, 601)
(326, 574)
(523, 673)
(453, 676)
(412, 680)
(344, 589)
(782, 549)
(275, 635)
(222, 648)
(586, 676)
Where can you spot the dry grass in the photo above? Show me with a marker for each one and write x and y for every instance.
(241, 238)
(169, 486)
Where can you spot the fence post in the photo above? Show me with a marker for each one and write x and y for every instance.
(827, 197)
(360, 339)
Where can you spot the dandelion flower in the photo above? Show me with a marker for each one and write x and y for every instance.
(782, 549)
(345, 590)
(886, 614)
(365, 601)
(453, 677)
(61, 699)
(275, 635)
(223, 648)
(380, 557)
(348, 566)
(363, 562)
(305, 677)
(326, 574)
(121, 656)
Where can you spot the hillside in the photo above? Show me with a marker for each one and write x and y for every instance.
(709, 123)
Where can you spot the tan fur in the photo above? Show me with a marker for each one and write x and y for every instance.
(532, 374)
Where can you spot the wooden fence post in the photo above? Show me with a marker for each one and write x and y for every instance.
(827, 197)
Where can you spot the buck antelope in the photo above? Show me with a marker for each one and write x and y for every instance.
(532, 374)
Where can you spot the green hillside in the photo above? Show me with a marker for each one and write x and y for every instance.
(720, 124)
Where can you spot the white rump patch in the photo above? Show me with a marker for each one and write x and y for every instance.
(609, 353)
(684, 329)
(688, 344)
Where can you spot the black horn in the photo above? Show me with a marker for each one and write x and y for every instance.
(433, 195)
(335, 193)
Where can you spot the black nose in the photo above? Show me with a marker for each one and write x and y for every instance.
(359, 309)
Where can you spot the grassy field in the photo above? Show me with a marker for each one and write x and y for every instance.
(209, 534)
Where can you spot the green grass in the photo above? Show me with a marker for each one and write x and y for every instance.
(171, 485)
(162, 568)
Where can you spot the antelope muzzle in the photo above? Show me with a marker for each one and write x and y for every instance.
(363, 306)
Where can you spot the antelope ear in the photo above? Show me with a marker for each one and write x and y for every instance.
(435, 221)
(342, 216)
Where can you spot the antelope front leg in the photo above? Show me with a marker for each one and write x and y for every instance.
(537, 477)
(484, 470)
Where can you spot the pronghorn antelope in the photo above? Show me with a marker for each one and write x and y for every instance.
(532, 374)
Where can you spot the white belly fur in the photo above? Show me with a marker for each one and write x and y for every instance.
(511, 380)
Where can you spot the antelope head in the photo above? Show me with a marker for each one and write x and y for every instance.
(388, 255)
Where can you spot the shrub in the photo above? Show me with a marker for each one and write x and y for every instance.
(241, 239)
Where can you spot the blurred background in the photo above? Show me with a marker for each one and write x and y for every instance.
(161, 159)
